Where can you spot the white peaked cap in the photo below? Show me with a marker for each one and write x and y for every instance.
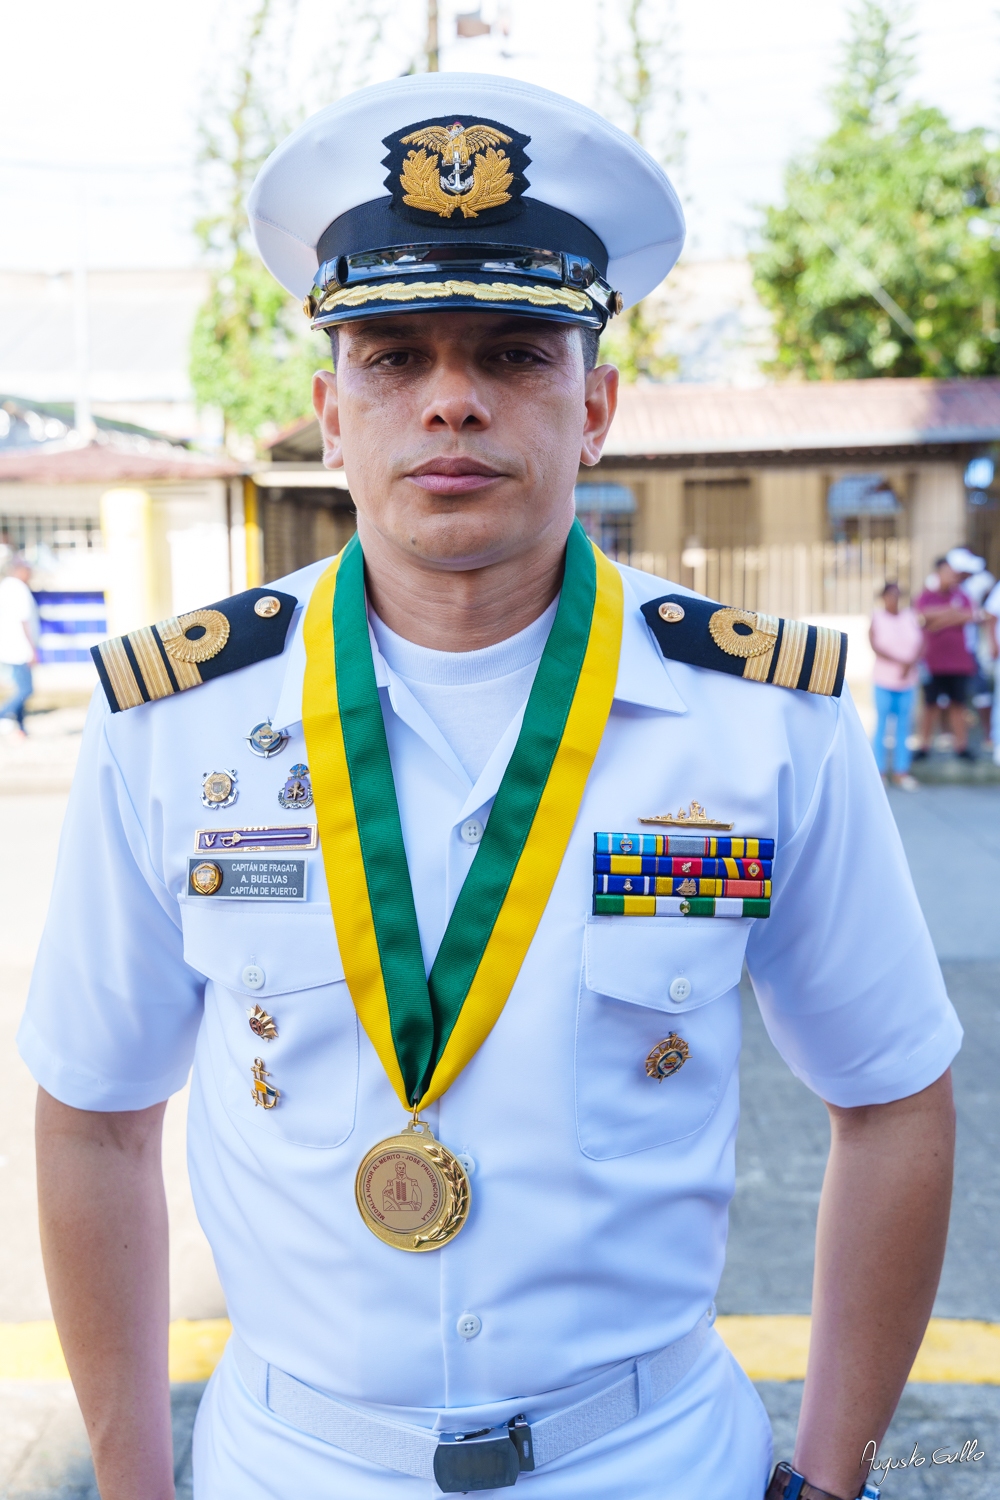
(578, 163)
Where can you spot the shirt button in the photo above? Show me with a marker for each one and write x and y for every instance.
(471, 831)
(468, 1325)
(253, 977)
(467, 1162)
(680, 989)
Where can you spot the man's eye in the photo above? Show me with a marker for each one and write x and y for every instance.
(394, 358)
(519, 357)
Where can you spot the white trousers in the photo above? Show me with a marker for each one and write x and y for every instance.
(709, 1439)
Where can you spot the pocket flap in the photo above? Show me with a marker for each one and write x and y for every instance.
(297, 950)
(638, 959)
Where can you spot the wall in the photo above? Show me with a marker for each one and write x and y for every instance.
(938, 514)
(791, 505)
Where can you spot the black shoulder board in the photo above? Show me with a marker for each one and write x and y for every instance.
(763, 648)
(187, 650)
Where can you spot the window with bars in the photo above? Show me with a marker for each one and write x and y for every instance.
(61, 533)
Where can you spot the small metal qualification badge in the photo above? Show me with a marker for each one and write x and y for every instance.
(297, 790)
(265, 740)
(219, 789)
(411, 1191)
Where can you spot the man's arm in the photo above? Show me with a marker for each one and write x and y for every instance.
(103, 1220)
(883, 1221)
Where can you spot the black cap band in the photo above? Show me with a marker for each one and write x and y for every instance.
(375, 225)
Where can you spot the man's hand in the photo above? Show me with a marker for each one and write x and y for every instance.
(104, 1242)
(883, 1222)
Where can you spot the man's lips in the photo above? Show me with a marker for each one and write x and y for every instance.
(453, 476)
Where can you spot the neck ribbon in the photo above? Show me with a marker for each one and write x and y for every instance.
(426, 1028)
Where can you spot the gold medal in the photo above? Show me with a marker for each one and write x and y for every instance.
(411, 1191)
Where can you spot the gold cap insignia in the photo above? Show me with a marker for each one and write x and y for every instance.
(445, 167)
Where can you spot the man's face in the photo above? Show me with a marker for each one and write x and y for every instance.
(462, 433)
(948, 579)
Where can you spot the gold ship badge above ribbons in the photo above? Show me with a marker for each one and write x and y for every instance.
(695, 817)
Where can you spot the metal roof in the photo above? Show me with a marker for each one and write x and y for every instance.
(676, 419)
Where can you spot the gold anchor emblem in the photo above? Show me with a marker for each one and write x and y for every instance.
(264, 1093)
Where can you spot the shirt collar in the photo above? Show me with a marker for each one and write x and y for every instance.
(643, 675)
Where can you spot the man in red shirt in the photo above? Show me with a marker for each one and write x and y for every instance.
(944, 613)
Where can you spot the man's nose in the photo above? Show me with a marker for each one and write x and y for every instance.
(455, 401)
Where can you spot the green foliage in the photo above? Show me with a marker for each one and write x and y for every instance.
(894, 202)
(251, 352)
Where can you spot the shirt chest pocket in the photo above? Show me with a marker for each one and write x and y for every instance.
(286, 963)
(657, 996)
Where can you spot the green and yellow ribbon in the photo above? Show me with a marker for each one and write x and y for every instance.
(426, 1028)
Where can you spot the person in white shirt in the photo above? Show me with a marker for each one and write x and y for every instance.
(18, 638)
(390, 926)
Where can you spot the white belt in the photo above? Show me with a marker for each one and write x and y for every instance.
(489, 1458)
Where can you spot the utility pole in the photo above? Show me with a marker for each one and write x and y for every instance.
(432, 36)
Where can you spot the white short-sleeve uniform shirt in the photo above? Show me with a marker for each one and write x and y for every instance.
(599, 1212)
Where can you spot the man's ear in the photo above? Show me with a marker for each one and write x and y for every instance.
(601, 402)
(327, 407)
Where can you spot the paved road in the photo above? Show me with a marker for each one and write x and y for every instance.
(781, 1152)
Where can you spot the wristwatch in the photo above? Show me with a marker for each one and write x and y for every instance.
(788, 1484)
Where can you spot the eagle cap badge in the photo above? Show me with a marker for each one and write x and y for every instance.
(461, 172)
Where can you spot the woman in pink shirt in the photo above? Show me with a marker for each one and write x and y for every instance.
(897, 640)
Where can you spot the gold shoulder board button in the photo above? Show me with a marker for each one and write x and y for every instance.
(267, 607)
(671, 613)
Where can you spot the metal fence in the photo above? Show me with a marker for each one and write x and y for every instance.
(819, 578)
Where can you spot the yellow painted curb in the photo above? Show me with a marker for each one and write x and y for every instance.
(954, 1350)
(31, 1351)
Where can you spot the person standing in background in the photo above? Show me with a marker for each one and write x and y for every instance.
(18, 638)
(897, 640)
(992, 611)
(944, 613)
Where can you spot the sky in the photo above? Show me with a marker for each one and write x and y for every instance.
(100, 103)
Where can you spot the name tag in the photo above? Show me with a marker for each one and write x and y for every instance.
(228, 879)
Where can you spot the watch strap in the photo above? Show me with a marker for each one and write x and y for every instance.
(788, 1484)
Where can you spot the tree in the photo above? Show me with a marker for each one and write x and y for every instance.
(250, 355)
(884, 259)
(638, 91)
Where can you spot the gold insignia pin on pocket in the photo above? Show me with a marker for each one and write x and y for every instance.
(261, 1024)
(264, 1093)
(667, 1057)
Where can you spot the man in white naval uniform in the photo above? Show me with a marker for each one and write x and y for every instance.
(575, 1304)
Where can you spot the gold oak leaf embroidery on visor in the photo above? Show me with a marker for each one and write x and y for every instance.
(496, 291)
(421, 179)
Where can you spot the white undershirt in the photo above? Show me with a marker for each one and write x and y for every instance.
(471, 696)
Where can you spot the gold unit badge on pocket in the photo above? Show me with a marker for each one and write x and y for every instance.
(667, 1057)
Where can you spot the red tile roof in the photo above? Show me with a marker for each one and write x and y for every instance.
(669, 419)
(110, 463)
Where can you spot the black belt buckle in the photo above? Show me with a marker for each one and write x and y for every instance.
(489, 1459)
